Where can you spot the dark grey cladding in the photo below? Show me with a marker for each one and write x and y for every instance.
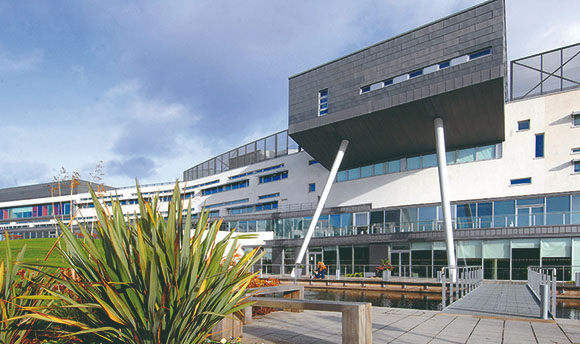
(397, 120)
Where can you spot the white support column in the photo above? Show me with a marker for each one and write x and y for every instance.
(322, 201)
(445, 203)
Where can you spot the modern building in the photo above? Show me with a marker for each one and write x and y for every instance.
(511, 152)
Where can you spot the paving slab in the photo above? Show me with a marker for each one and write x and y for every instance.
(395, 325)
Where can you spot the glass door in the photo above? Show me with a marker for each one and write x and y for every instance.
(401, 262)
(313, 259)
(530, 216)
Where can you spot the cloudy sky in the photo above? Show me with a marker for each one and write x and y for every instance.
(154, 87)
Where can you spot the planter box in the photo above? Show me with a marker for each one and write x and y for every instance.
(386, 275)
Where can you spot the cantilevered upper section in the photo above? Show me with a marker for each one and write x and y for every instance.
(383, 99)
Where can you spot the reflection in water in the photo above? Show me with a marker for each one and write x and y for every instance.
(569, 309)
(378, 298)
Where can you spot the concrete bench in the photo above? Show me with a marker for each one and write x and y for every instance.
(356, 316)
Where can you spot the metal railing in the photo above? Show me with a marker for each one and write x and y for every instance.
(462, 281)
(538, 276)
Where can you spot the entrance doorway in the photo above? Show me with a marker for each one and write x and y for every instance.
(531, 216)
(313, 259)
(401, 261)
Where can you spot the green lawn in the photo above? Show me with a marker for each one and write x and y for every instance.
(36, 250)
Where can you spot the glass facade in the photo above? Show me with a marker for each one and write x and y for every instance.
(269, 147)
(35, 211)
(423, 161)
(526, 212)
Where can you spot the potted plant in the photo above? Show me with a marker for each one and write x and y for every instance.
(384, 270)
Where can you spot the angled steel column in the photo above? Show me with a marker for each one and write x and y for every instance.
(445, 203)
(322, 201)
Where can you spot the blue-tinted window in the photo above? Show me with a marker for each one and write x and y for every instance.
(394, 166)
(427, 218)
(521, 181)
(484, 212)
(444, 65)
(576, 119)
(429, 160)
(486, 152)
(539, 145)
(341, 176)
(504, 213)
(366, 171)
(531, 201)
(413, 163)
(312, 162)
(480, 53)
(354, 173)
(465, 155)
(524, 125)
(466, 215)
(577, 166)
(416, 73)
(450, 156)
(379, 168)
(365, 89)
(557, 210)
(273, 177)
(311, 187)
(269, 195)
(388, 82)
(323, 102)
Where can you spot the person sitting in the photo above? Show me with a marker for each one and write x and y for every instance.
(321, 268)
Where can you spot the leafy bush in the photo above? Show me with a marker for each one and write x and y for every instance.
(146, 280)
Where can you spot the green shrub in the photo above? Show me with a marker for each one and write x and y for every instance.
(146, 280)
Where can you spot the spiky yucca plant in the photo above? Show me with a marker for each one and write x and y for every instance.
(20, 292)
(145, 279)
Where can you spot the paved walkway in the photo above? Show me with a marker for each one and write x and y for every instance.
(495, 299)
(394, 325)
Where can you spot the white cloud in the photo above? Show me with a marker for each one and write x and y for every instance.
(21, 63)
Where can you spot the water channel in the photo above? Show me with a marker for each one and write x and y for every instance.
(569, 309)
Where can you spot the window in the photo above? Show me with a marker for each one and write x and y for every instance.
(354, 173)
(387, 82)
(273, 177)
(341, 176)
(539, 145)
(576, 119)
(520, 181)
(413, 163)
(415, 73)
(429, 160)
(576, 166)
(323, 102)
(576, 150)
(312, 162)
(311, 187)
(394, 166)
(524, 125)
(444, 65)
(486, 152)
(269, 196)
(366, 171)
(365, 89)
(480, 53)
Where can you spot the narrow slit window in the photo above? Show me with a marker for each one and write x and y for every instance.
(524, 125)
(576, 166)
(323, 102)
(521, 181)
(444, 65)
(415, 73)
(480, 53)
(576, 119)
(539, 145)
(387, 82)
